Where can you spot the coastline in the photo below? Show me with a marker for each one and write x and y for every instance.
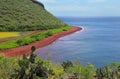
(18, 51)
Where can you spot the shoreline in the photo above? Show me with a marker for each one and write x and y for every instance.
(18, 51)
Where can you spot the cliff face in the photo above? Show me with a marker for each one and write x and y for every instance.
(24, 15)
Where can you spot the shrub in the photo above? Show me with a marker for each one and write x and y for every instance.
(49, 33)
(67, 64)
(64, 29)
(29, 68)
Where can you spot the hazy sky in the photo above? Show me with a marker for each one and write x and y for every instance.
(83, 8)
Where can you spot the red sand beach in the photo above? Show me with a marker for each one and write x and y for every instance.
(38, 44)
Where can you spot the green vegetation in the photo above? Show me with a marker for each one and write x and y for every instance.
(111, 71)
(31, 38)
(28, 68)
(33, 67)
(26, 15)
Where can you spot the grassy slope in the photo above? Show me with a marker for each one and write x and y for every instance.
(22, 15)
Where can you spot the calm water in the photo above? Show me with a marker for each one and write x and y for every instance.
(98, 42)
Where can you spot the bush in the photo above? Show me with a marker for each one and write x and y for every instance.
(29, 68)
(19, 42)
(64, 29)
(49, 33)
(67, 64)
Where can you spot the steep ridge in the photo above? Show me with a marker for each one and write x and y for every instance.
(26, 15)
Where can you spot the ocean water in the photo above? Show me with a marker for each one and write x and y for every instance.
(98, 43)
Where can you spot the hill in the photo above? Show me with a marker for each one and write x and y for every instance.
(26, 15)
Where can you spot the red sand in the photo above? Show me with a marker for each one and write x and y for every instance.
(38, 44)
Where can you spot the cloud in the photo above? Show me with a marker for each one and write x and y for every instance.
(47, 1)
(82, 7)
(69, 8)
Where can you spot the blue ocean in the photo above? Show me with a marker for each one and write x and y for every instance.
(98, 43)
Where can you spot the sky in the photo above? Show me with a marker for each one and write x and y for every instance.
(83, 8)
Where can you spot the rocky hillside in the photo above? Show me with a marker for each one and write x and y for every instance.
(26, 15)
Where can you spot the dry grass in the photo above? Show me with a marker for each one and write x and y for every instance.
(8, 34)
